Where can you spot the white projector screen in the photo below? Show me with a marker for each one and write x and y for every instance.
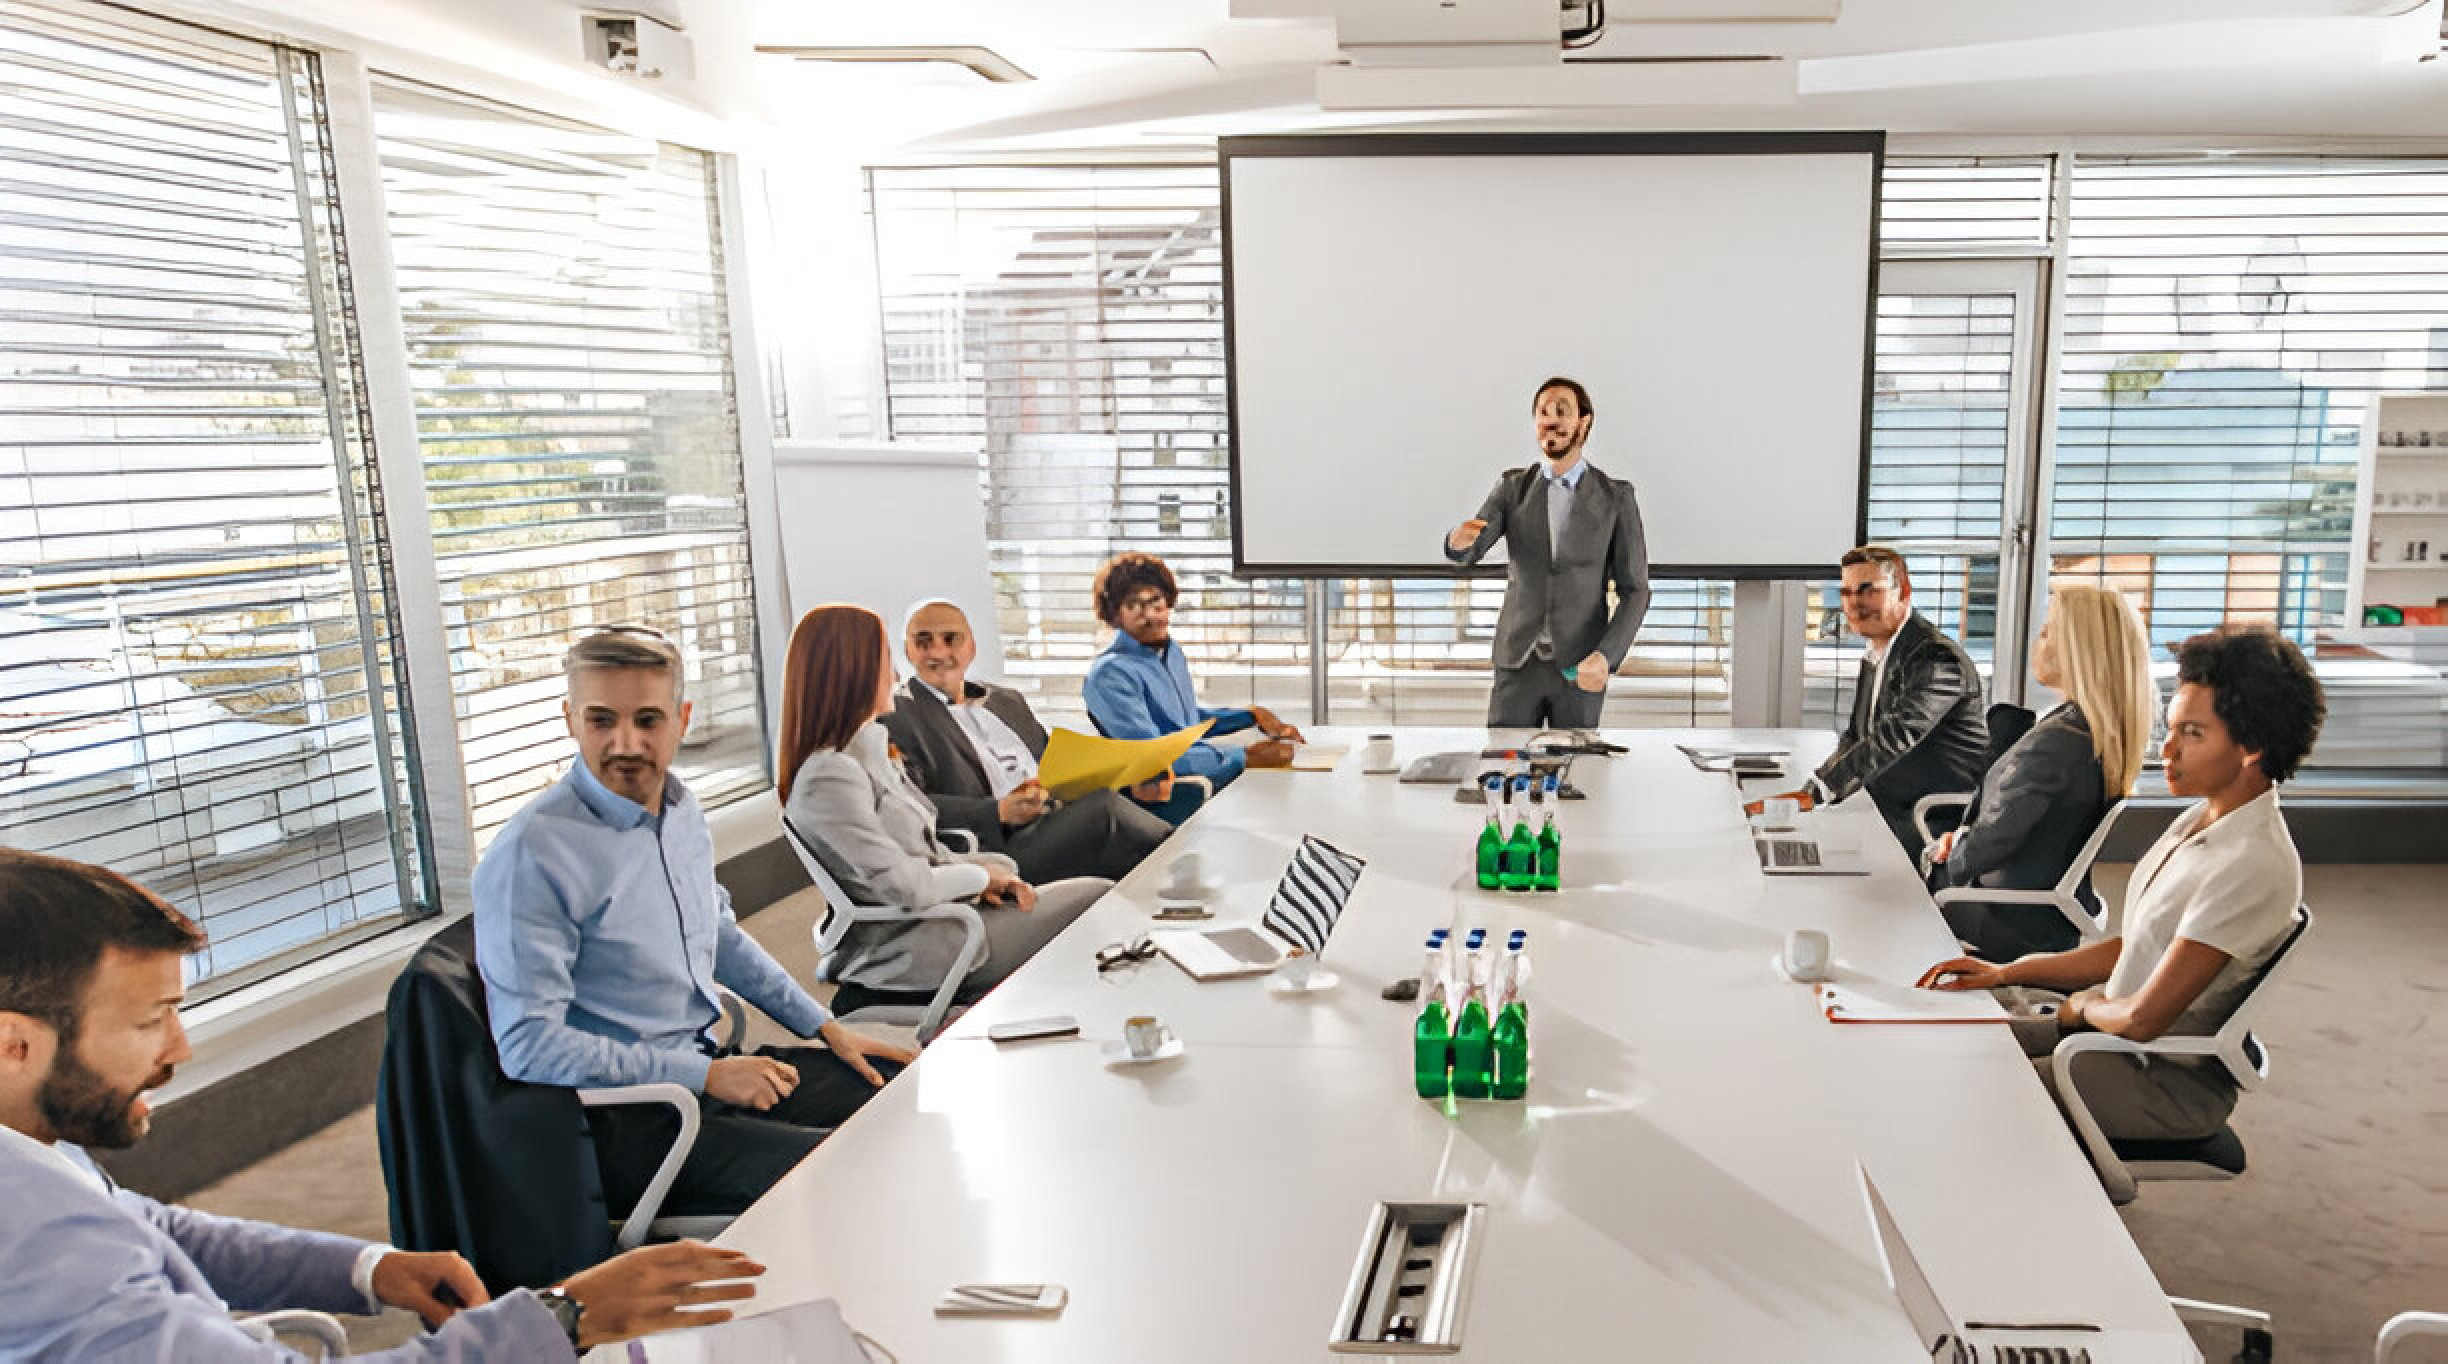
(1392, 303)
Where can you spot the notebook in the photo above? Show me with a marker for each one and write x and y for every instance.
(1951, 1340)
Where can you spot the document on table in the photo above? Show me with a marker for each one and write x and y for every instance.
(1076, 764)
(1873, 1002)
(1318, 757)
(809, 1333)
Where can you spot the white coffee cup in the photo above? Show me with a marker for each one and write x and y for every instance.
(1779, 812)
(1806, 954)
(1143, 1037)
(1188, 875)
(1377, 755)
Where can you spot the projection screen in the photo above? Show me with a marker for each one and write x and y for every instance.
(1392, 303)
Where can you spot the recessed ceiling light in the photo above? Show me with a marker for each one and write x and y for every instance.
(985, 61)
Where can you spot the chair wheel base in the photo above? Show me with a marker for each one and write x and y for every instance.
(2258, 1347)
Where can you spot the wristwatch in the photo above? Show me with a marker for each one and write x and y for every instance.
(565, 1309)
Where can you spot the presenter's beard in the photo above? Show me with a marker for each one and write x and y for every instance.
(83, 1108)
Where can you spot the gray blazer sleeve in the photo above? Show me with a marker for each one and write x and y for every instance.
(1628, 570)
(1491, 511)
(834, 803)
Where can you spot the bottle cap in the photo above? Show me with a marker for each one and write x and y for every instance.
(1477, 936)
(1517, 937)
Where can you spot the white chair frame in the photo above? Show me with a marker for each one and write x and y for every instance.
(328, 1336)
(643, 1224)
(2065, 897)
(841, 912)
(2405, 1326)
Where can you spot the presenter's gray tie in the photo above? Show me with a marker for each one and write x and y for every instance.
(1559, 510)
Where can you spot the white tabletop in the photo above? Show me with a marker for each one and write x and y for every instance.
(1682, 1174)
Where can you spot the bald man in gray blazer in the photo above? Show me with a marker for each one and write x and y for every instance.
(1573, 533)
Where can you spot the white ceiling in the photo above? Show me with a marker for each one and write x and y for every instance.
(1130, 73)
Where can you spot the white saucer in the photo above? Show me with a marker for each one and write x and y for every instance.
(1118, 1054)
(1317, 981)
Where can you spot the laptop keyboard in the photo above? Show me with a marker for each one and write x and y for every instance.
(1788, 852)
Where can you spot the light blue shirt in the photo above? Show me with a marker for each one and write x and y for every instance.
(601, 934)
(1135, 692)
(99, 1274)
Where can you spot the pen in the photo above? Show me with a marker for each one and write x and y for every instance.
(2029, 1326)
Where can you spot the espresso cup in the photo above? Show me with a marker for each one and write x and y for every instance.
(1187, 875)
(1377, 754)
(1143, 1037)
(1806, 954)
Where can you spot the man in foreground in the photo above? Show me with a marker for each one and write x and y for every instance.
(89, 992)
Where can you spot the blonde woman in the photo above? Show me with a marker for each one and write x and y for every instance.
(2042, 798)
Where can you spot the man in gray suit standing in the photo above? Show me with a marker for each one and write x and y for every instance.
(973, 748)
(1574, 533)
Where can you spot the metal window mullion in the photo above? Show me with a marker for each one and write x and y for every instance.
(391, 427)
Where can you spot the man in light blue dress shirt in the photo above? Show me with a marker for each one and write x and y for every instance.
(93, 1273)
(1140, 688)
(601, 934)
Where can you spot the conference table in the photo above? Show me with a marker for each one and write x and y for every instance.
(1680, 1183)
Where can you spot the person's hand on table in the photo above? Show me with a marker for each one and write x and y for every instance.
(414, 1279)
(1273, 727)
(658, 1288)
(1269, 753)
(1802, 801)
(1009, 892)
(753, 1082)
(855, 1047)
(1463, 536)
(1155, 790)
(1962, 973)
(1023, 803)
(1591, 675)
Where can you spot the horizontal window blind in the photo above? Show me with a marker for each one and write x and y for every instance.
(2226, 321)
(199, 682)
(562, 289)
(1930, 204)
(1069, 321)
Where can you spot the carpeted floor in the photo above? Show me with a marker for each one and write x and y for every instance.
(2341, 1221)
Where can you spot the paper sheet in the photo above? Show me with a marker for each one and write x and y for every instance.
(1876, 1003)
(1318, 757)
(809, 1333)
(1076, 764)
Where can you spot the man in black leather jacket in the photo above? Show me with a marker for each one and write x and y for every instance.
(1917, 725)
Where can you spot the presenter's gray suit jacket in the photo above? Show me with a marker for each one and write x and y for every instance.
(1564, 593)
(116, 1278)
(945, 764)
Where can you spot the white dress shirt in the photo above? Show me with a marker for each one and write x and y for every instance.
(1007, 760)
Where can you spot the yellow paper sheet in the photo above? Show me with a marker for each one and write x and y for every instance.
(1076, 764)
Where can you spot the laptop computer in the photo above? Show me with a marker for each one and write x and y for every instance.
(1951, 1340)
(1786, 853)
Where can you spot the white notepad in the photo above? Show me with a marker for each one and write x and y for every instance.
(1871, 1002)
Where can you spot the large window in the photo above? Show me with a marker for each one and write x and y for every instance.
(562, 289)
(1070, 323)
(199, 673)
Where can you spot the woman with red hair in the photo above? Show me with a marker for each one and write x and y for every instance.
(844, 791)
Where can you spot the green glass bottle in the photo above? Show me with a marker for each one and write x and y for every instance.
(1509, 1038)
(1473, 1072)
(1491, 839)
(1550, 873)
(1519, 866)
(1432, 1036)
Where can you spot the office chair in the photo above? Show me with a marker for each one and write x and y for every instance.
(319, 1329)
(842, 913)
(2089, 917)
(2219, 1156)
(499, 1170)
(2405, 1326)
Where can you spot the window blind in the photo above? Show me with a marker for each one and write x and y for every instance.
(1934, 204)
(562, 290)
(199, 682)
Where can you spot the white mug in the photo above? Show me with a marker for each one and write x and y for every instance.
(1187, 874)
(1806, 954)
(1143, 1036)
(1377, 755)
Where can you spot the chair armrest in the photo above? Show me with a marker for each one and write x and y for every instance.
(733, 1029)
(2086, 928)
(930, 1020)
(1941, 800)
(1206, 787)
(958, 840)
(2405, 1326)
(683, 1103)
(296, 1323)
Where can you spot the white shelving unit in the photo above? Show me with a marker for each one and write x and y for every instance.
(2401, 506)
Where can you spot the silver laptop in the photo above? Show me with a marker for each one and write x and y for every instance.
(1951, 1340)
(1793, 854)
